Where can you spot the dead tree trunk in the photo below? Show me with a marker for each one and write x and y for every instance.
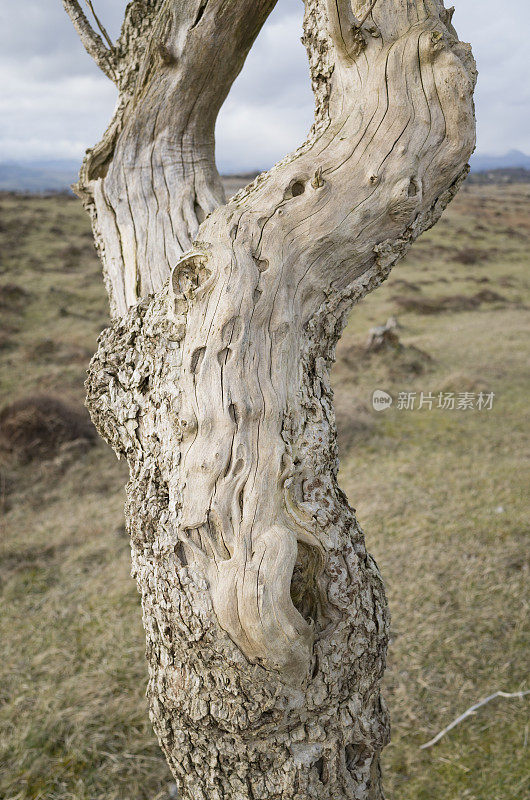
(265, 617)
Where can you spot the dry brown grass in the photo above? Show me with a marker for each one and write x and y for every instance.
(471, 255)
(35, 427)
(427, 486)
(454, 302)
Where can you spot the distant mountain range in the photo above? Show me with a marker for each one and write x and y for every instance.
(513, 158)
(57, 176)
(38, 176)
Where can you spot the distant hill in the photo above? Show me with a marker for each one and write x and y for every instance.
(481, 162)
(505, 175)
(38, 176)
(57, 176)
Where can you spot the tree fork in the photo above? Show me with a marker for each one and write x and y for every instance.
(265, 617)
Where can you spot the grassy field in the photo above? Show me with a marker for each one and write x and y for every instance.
(440, 494)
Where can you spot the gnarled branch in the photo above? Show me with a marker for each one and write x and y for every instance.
(265, 616)
(102, 29)
(162, 140)
(91, 40)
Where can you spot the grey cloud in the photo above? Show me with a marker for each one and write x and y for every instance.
(54, 102)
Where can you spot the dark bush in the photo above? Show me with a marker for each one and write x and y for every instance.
(470, 255)
(12, 297)
(35, 427)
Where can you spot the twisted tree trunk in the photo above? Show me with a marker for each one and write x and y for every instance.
(265, 617)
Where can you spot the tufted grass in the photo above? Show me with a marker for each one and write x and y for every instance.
(428, 487)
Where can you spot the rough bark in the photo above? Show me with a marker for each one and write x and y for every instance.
(265, 617)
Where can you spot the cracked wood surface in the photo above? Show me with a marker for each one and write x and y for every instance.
(265, 617)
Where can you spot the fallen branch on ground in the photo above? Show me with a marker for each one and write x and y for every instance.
(469, 713)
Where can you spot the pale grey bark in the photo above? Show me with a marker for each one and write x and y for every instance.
(91, 40)
(265, 617)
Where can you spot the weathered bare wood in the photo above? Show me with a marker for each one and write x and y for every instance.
(92, 41)
(153, 178)
(265, 617)
(100, 25)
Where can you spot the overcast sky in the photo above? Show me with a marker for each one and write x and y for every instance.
(54, 102)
